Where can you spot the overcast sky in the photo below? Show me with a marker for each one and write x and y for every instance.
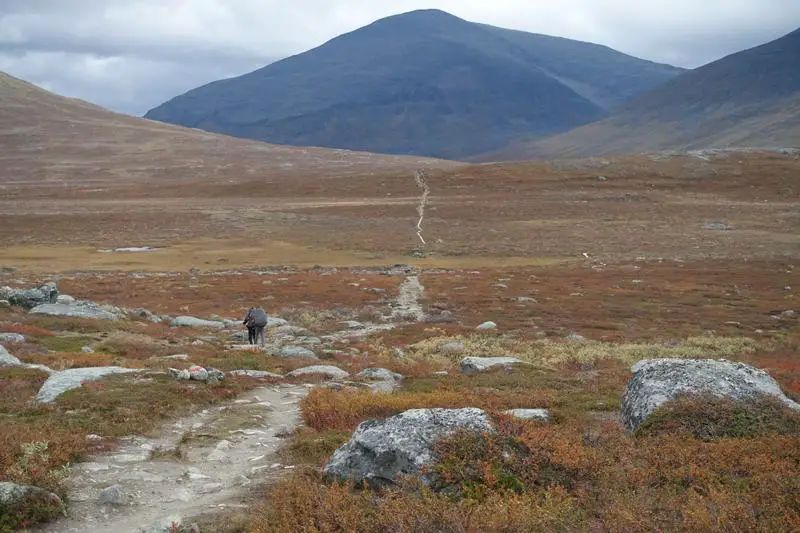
(131, 55)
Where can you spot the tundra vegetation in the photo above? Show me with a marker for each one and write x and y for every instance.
(697, 464)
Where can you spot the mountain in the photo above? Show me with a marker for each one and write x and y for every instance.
(750, 98)
(424, 82)
(60, 141)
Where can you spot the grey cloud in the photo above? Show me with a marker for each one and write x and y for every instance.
(130, 55)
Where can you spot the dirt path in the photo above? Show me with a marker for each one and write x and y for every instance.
(408, 306)
(199, 463)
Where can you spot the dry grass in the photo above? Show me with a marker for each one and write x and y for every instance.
(479, 216)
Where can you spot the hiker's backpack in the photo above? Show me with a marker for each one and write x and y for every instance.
(259, 317)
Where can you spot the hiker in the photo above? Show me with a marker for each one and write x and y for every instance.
(251, 329)
(256, 321)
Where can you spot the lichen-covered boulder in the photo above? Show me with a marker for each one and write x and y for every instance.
(30, 298)
(657, 381)
(379, 451)
(60, 382)
(26, 501)
(329, 371)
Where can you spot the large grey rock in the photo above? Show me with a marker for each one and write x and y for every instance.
(12, 338)
(472, 365)
(30, 298)
(657, 381)
(81, 309)
(60, 382)
(194, 322)
(381, 450)
(65, 299)
(25, 496)
(297, 351)
(332, 372)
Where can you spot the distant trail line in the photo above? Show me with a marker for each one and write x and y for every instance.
(421, 179)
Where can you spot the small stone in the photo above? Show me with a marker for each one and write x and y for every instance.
(487, 325)
(441, 373)
(380, 374)
(471, 365)
(529, 414)
(113, 495)
(220, 451)
(12, 338)
(87, 349)
(297, 351)
(574, 337)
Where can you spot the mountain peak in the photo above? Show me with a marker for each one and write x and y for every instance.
(424, 82)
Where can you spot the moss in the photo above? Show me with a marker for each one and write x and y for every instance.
(710, 418)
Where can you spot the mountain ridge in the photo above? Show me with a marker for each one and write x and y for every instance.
(749, 98)
(423, 82)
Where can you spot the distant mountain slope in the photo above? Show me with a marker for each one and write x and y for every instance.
(751, 98)
(46, 138)
(423, 82)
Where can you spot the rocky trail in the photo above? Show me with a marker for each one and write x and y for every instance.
(202, 463)
(208, 461)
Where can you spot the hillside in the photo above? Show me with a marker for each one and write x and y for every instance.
(52, 140)
(423, 82)
(751, 98)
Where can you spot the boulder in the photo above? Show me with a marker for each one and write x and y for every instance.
(198, 373)
(379, 374)
(30, 298)
(65, 299)
(529, 414)
(12, 338)
(332, 372)
(488, 325)
(297, 351)
(60, 382)
(657, 381)
(25, 497)
(381, 450)
(472, 365)
(81, 309)
(194, 322)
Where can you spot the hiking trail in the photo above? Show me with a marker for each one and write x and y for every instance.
(223, 452)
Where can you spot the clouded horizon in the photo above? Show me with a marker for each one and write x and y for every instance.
(131, 55)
